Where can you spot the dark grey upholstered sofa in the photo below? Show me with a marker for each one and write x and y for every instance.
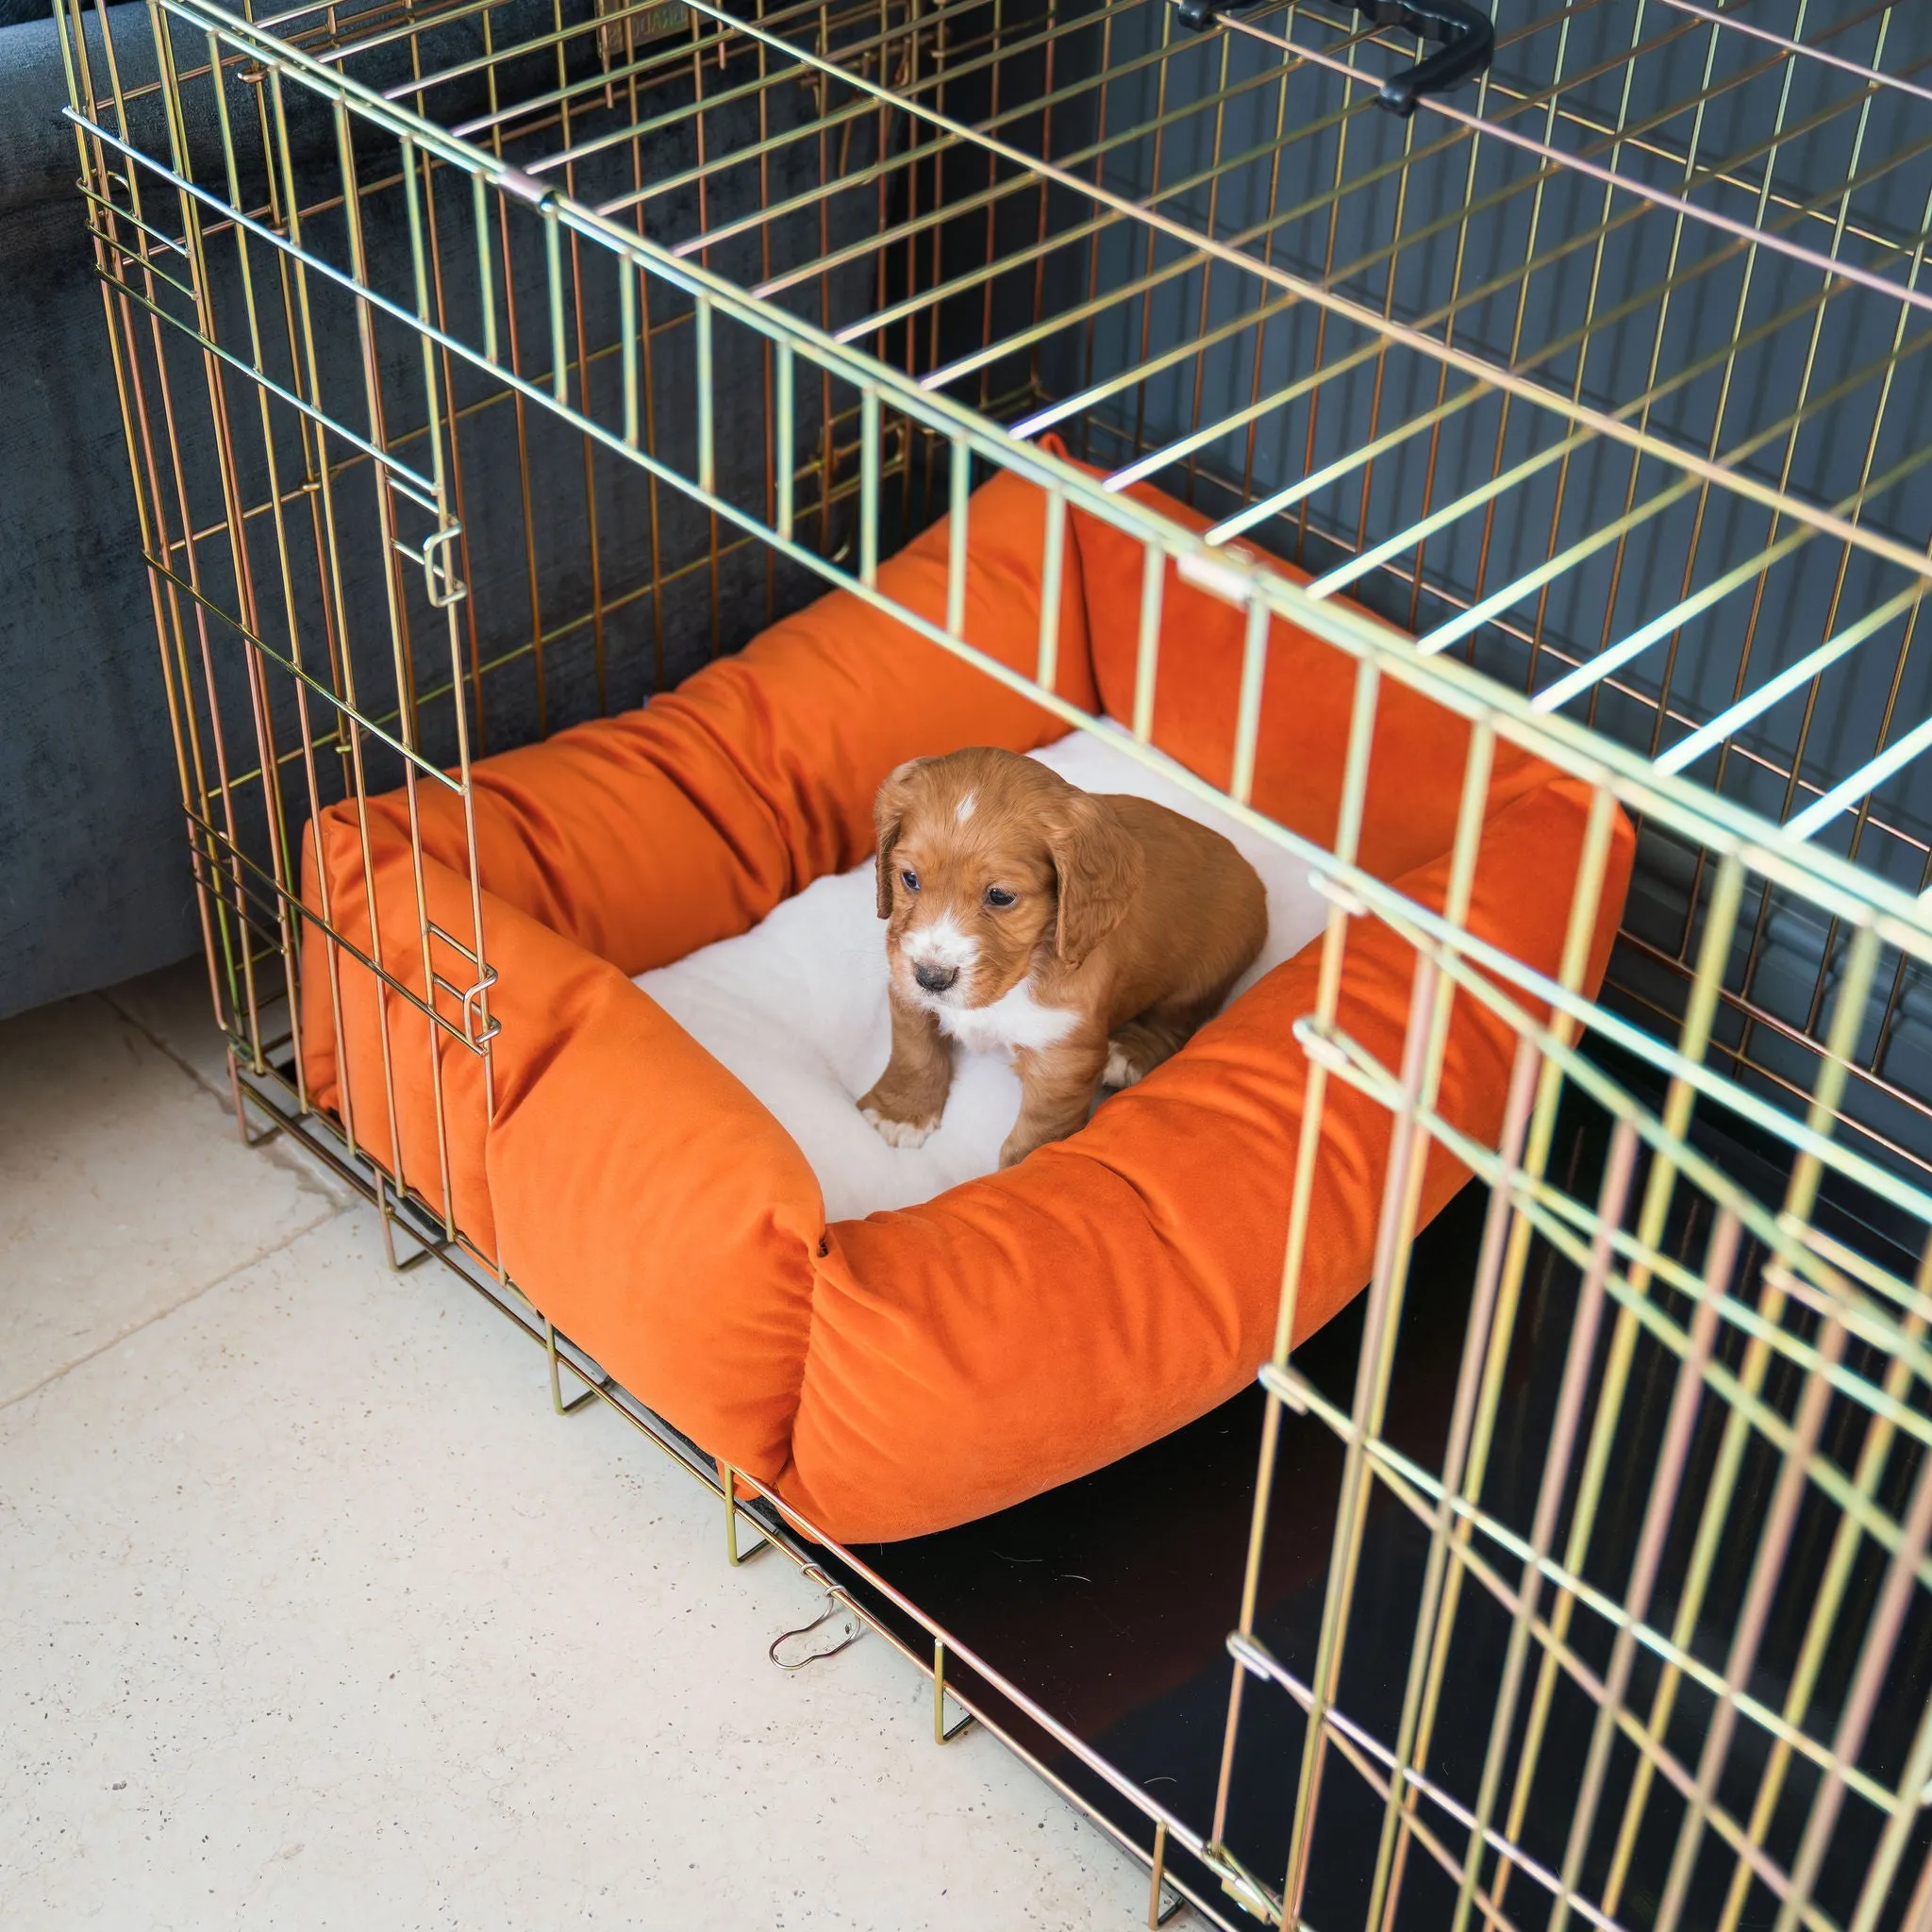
(93, 867)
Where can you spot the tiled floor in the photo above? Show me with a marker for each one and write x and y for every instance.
(313, 1614)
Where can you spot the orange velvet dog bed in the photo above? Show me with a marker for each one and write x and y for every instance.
(901, 1374)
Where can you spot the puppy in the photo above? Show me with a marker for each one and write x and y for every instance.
(1086, 936)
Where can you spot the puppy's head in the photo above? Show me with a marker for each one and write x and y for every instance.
(984, 857)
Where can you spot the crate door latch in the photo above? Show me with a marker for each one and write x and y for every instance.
(1467, 40)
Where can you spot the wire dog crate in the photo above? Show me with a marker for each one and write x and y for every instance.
(487, 367)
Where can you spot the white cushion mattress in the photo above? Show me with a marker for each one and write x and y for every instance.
(796, 1009)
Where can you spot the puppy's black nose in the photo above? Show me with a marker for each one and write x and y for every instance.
(935, 978)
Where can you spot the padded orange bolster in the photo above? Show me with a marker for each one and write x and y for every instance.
(1308, 697)
(665, 1221)
(410, 1079)
(1025, 1329)
(643, 1195)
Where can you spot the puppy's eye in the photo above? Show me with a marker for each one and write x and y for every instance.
(998, 896)
(910, 880)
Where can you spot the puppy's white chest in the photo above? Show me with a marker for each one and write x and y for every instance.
(1014, 1020)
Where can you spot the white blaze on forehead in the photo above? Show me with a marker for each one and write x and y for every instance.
(940, 943)
(966, 805)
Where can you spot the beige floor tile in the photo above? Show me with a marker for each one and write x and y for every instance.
(174, 1007)
(313, 1614)
(124, 1190)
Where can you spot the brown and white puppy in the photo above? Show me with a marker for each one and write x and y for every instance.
(1086, 935)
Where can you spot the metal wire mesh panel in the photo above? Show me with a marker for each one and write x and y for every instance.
(485, 368)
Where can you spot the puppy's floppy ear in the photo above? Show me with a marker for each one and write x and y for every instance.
(888, 812)
(1097, 865)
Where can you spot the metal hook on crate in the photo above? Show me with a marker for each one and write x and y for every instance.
(444, 586)
(837, 1603)
(470, 1000)
(1468, 39)
(439, 582)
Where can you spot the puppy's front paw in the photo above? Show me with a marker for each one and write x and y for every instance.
(1121, 1070)
(900, 1133)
